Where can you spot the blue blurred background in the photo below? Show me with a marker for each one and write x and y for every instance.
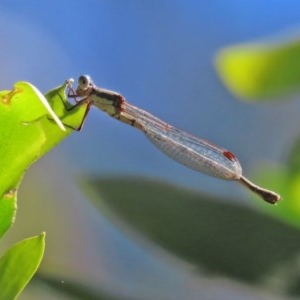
(159, 55)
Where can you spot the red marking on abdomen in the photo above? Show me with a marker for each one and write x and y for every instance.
(121, 103)
(229, 155)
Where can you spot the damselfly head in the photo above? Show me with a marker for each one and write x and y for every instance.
(85, 84)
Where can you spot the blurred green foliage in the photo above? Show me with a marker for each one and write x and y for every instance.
(217, 235)
(258, 71)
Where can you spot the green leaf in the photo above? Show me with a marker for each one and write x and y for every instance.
(287, 184)
(19, 264)
(7, 211)
(28, 129)
(220, 237)
(26, 133)
(260, 70)
(286, 181)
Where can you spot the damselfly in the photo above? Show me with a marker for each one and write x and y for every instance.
(183, 147)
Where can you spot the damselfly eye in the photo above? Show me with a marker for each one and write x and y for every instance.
(84, 81)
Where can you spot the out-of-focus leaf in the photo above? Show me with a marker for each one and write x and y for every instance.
(260, 70)
(288, 186)
(286, 181)
(76, 290)
(217, 236)
(293, 160)
(27, 133)
(18, 265)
